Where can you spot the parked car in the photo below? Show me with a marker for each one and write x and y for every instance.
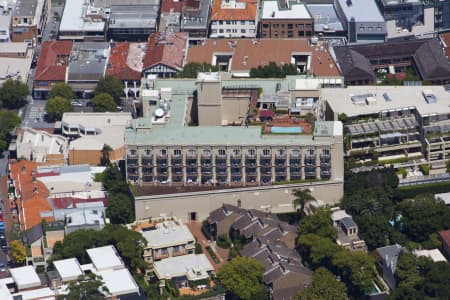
(2, 267)
(3, 243)
(77, 103)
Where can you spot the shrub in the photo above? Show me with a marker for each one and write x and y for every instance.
(223, 241)
(402, 172)
(425, 169)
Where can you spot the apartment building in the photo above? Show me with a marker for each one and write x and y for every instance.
(362, 20)
(28, 20)
(5, 25)
(234, 19)
(285, 19)
(167, 239)
(401, 122)
(164, 154)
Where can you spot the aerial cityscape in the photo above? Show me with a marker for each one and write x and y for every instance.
(224, 149)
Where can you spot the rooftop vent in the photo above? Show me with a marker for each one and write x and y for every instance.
(386, 97)
(361, 99)
(429, 96)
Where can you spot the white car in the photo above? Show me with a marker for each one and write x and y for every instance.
(76, 103)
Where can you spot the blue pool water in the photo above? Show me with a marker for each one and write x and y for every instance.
(278, 129)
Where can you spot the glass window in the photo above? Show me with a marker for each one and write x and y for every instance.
(162, 152)
(236, 151)
(222, 152)
(295, 152)
(177, 152)
(206, 152)
(266, 152)
(251, 152)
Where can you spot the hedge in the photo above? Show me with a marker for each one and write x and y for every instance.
(414, 190)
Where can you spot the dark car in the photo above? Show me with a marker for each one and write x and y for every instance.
(89, 104)
(3, 244)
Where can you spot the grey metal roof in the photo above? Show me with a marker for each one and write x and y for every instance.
(389, 256)
(136, 16)
(25, 8)
(88, 61)
(348, 222)
(325, 17)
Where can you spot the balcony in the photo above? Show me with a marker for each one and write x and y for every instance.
(295, 162)
(265, 161)
(250, 162)
(206, 179)
(265, 179)
(206, 170)
(206, 162)
(147, 161)
(132, 170)
(250, 171)
(236, 179)
(161, 162)
(177, 161)
(221, 179)
(147, 154)
(162, 178)
(280, 161)
(147, 178)
(236, 171)
(191, 170)
(310, 172)
(206, 155)
(132, 153)
(177, 178)
(192, 178)
(325, 174)
(191, 161)
(280, 170)
(236, 162)
(132, 161)
(177, 170)
(310, 161)
(279, 178)
(266, 170)
(192, 155)
(147, 171)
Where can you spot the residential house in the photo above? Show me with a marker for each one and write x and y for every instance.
(434, 254)
(239, 56)
(445, 239)
(106, 263)
(5, 25)
(90, 132)
(28, 21)
(82, 21)
(285, 19)
(87, 65)
(358, 63)
(234, 19)
(388, 257)
(125, 63)
(165, 54)
(51, 67)
(362, 20)
(347, 229)
(184, 270)
(41, 147)
(167, 239)
(194, 18)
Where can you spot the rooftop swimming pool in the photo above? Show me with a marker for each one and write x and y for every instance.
(290, 130)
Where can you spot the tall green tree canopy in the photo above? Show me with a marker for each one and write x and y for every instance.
(119, 209)
(63, 90)
(104, 102)
(319, 223)
(324, 286)
(111, 86)
(13, 94)
(87, 287)
(57, 106)
(8, 121)
(302, 197)
(242, 277)
(192, 69)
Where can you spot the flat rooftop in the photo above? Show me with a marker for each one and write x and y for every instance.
(325, 18)
(73, 18)
(272, 10)
(361, 10)
(25, 277)
(14, 68)
(88, 61)
(340, 99)
(105, 258)
(133, 16)
(167, 234)
(193, 266)
(119, 282)
(68, 269)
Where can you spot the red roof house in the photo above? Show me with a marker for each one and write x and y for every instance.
(125, 61)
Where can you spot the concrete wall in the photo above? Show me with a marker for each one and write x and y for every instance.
(276, 199)
(93, 157)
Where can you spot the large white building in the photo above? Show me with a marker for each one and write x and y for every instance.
(234, 18)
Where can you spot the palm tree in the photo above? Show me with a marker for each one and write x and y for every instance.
(302, 197)
(105, 154)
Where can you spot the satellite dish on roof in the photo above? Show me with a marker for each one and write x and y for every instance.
(159, 112)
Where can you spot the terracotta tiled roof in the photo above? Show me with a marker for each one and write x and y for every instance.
(445, 38)
(219, 13)
(53, 61)
(167, 49)
(445, 236)
(248, 54)
(168, 6)
(33, 194)
(117, 64)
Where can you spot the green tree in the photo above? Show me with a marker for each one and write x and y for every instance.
(87, 287)
(13, 94)
(319, 223)
(302, 197)
(192, 69)
(61, 89)
(324, 286)
(8, 121)
(119, 209)
(106, 151)
(57, 106)
(103, 102)
(17, 252)
(111, 86)
(356, 269)
(423, 216)
(317, 250)
(242, 277)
